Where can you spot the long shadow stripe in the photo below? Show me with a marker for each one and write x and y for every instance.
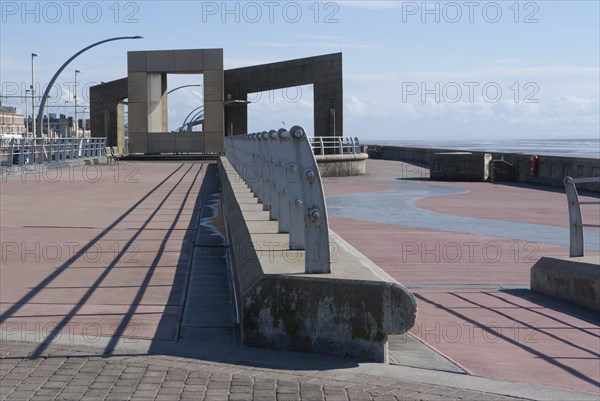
(34, 291)
(545, 315)
(535, 352)
(525, 324)
(142, 289)
(58, 328)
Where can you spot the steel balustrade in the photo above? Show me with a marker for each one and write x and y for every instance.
(337, 145)
(575, 220)
(280, 169)
(42, 150)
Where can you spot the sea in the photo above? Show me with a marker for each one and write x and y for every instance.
(567, 147)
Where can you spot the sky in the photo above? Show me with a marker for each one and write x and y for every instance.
(413, 70)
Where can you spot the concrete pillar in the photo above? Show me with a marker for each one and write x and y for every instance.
(155, 102)
(107, 112)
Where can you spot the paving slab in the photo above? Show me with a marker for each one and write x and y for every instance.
(107, 253)
(472, 283)
(71, 325)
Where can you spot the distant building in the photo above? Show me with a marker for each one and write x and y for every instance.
(11, 122)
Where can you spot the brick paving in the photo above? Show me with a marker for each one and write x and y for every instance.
(76, 293)
(81, 373)
(475, 306)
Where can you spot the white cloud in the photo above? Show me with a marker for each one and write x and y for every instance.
(354, 107)
(574, 106)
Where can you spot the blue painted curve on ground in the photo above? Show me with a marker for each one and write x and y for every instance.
(397, 207)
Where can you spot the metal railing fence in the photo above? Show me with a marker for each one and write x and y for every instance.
(575, 219)
(338, 145)
(40, 150)
(280, 169)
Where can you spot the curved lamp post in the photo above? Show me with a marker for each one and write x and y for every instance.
(33, 55)
(62, 67)
(189, 115)
(180, 87)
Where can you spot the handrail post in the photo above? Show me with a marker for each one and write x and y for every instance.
(290, 188)
(22, 152)
(11, 151)
(575, 220)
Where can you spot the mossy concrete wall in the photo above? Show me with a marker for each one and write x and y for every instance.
(342, 165)
(349, 312)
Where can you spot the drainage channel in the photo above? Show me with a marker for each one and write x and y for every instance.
(209, 314)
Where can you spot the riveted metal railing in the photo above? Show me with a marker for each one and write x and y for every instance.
(335, 145)
(575, 219)
(280, 169)
(40, 150)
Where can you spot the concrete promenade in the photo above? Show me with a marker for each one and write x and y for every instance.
(465, 250)
(95, 272)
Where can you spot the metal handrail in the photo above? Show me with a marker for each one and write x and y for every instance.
(575, 220)
(338, 145)
(280, 169)
(41, 150)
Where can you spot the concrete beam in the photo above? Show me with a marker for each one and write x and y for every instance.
(325, 72)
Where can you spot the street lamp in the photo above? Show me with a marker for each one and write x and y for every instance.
(76, 124)
(62, 67)
(26, 115)
(66, 126)
(180, 87)
(33, 55)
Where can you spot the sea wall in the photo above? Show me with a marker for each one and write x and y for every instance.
(551, 170)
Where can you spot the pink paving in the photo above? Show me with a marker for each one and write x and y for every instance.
(98, 250)
(474, 305)
(527, 204)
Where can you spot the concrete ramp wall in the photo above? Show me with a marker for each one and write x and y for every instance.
(349, 312)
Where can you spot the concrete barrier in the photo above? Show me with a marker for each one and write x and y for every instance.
(460, 166)
(348, 312)
(551, 170)
(342, 165)
(575, 280)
